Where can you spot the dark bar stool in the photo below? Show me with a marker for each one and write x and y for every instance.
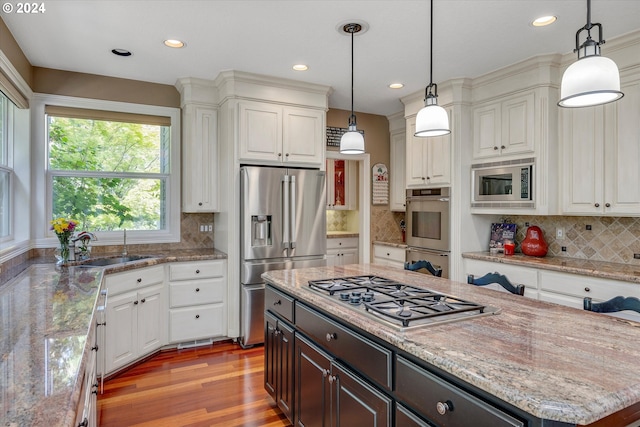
(614, 305)
(498, 278)
(417, 265)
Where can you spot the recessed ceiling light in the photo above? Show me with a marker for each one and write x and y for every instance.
(121, 52)
(396, 85)
(544, 21)
(300, 67)
(174, 43)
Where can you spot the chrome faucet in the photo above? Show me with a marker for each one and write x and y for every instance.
(124, 246)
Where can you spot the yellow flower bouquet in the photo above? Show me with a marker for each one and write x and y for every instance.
(64, 230)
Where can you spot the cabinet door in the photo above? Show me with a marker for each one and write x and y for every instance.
(487, 131)
(200, 160)
(332, 258)
(622, 153)
(270, 355)
(121, 331)
(517, 125)
(416, 175)
(260, 131)
(357, 403)
(438, 160)
(151, 319)
(397, 159)
(349, 256)
(285, 369)
(582, 166)
(312, 385)
(303, 136)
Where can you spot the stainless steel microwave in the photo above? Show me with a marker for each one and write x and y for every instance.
(503, 184)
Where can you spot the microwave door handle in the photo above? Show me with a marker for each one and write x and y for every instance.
(285, 211)
(292, 214)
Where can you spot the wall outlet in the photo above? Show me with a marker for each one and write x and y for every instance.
(588, 227)
(559, 233)
(564, 249)
(636, 256)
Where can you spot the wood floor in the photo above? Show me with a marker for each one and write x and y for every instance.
(216, 385)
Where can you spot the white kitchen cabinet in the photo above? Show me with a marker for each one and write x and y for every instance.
(342, 251)
(392, 256)
(601, 154)
(516, 274)
(197, 300)
(135, 316)
(86, 412)
(571, 289)
(273, 134)
(397, 172)
(199, 159)
(342, 192)
(428, 160)
(504, 127)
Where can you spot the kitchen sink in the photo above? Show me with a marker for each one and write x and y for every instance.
(101, 262)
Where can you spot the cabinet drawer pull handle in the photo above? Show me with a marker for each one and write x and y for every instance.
(199, 203)
(287, 154)
(279, 154)
(502, 147)
(279, 302)
(444, 407)
(197, 289)
(325, 372)
(135, 302)
(197, 316)
(586, 289)
(84, 423)
(495, 147)
(597, 205)
(277, 332)
(331, 336)
(94, 348)
(332, 379)
(608, 205)
(143, 300)
(139, 280)
(197, 271)
(388, 254)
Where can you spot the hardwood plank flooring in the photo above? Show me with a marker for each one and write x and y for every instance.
(216, 385)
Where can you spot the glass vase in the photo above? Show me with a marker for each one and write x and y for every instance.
(62, 253)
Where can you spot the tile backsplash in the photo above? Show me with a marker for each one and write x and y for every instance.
(612, 239)
(385, 225)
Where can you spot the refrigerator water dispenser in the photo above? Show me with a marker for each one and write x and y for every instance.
(260, 230)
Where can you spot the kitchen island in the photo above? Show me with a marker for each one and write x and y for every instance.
(554, 363)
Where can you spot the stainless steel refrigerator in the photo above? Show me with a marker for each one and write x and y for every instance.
(283, 226)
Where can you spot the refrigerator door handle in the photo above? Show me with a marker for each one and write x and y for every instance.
(293, 206)
(285, 211)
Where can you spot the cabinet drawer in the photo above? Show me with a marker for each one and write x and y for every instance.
(194, 292)
(186, 324)
(196, 270)
(124, 282)
(427, 393)
(389, 253)
(364, 355)
(583, 286)
(340, 243)
(279, 303)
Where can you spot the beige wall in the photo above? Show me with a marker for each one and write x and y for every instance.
(10, 48)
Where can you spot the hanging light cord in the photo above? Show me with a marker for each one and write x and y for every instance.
(431, 46)
(352, 117)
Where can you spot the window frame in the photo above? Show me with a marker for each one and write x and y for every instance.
(7, 166)
(44, 183)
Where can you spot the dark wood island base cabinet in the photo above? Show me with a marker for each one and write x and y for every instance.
(322, 371)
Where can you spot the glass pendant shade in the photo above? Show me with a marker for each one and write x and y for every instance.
(352, 141)
(432, 120)
(591, 80)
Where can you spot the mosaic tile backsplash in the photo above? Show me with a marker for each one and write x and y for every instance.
(385, 225)
(612, 239)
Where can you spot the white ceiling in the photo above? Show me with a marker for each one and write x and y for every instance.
(471, 38)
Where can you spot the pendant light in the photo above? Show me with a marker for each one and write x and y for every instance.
(352, 141)
(592, 79)
(432, 120)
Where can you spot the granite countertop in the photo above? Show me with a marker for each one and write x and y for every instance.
(585, 267)
(551, 361)
(45, 317)
(390, 244)
(341, 234)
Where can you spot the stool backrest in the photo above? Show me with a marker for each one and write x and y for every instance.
(498, 278)
(415, 266)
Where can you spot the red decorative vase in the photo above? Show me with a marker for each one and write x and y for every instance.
(534, 244)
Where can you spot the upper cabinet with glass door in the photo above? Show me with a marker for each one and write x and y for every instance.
(341, 185)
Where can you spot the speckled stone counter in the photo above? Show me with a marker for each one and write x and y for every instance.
(602, 269)
(45, 316)
(390, 244)
(341, 234)
(554, 362)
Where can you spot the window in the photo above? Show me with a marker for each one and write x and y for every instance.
(6, 167)
(109, 171)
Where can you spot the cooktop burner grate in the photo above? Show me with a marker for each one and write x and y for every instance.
(397, 303)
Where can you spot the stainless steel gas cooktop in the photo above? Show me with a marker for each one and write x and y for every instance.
(399, 305)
